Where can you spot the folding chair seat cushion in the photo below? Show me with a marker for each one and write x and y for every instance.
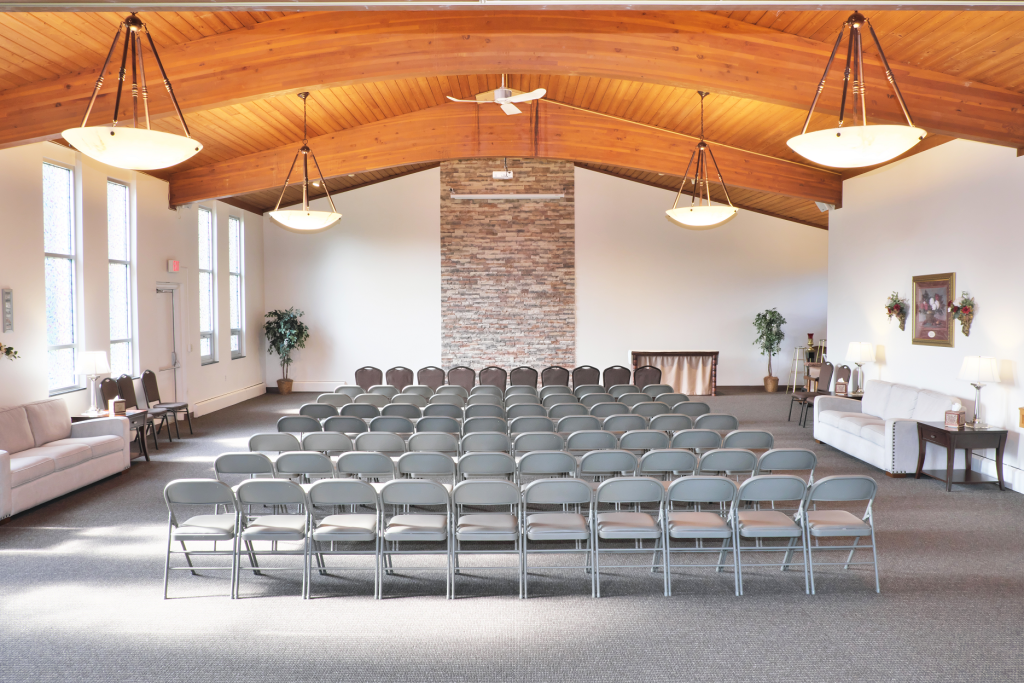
(276, 528)
(352, 527)
(697, 525)
(627, 525)
(205, 528)
(496, 527)
(417, 528)
(767, 524)
(836, 523)
(556, 526)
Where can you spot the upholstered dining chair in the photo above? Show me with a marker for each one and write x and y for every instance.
(126, 390)
(151, 390)
(369, 376)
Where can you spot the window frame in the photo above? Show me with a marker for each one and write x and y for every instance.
(235, 223)
(131, 273)
(75, 274)
(211, 334)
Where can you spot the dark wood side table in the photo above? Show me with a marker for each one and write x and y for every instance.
(951, 439)
(136, 421)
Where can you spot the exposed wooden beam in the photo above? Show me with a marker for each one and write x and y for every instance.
(314, 5)
(459, 131)
(240, 203)
(685, 49)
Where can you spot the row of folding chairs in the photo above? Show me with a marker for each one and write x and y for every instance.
(440, 520)
(494, 376)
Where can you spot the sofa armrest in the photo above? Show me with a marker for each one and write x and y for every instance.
(826, 402)
(5, 484)
(106, 426)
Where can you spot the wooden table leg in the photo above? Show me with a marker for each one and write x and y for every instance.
(141, 432)
(999, 461)
(920, 453)
(950, 461)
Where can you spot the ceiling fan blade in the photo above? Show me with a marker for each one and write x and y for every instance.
(467, 101)
(510, 109)
(528, 96)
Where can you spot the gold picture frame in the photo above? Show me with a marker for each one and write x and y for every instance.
(933, 323)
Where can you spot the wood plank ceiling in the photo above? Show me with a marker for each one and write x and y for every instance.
(985, 47)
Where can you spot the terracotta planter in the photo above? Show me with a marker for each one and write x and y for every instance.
(771, 384)
(284, 386)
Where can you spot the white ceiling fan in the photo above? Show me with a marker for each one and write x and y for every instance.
(505, 97)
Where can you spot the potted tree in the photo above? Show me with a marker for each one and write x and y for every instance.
(769, 339)
(285, 332)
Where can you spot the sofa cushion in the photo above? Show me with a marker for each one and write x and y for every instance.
(874, 432)
(30, 468)
(64, 456)
(15, 432)
(834, 417)
(902, 400)
(931, 406)
(50, 420)
(876, 396)
(854, 423)
(100, 445)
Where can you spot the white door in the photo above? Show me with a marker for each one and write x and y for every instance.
(166, 344)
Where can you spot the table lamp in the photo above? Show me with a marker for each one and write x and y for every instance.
(976, 370)
(92, 364)
(859, 353)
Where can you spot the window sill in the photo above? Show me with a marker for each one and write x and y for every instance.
(237, 357)
(71, 390)
(208, 362)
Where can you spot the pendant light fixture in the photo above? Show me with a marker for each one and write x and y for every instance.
(863, 145)
(139, 149)
(701, 214)
(304, 219)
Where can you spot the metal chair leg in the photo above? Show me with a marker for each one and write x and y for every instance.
(188, 415)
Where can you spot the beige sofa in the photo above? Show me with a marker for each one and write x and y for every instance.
(881, 429)
(43, 455)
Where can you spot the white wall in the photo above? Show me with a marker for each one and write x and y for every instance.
(645, 284)
(370, 286)
(955, 208)
(161, 234)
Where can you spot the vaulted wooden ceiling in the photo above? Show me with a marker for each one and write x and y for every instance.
(373, 76)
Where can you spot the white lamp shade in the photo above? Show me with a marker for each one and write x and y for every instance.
(856, 146)
(978, 369)
(305, 221)
(93, 363)
(701, 217)
(860, 352)
(137, 149)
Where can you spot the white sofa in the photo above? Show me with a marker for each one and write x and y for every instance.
(43, 455)
(881, 429)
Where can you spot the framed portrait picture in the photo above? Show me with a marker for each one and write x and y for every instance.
(933, 324)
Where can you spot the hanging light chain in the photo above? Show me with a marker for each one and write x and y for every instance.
(701, 181)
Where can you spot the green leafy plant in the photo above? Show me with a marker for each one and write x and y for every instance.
(769, 334)
(285, 333)
(963, 311)
(897, 307)
(8, 351)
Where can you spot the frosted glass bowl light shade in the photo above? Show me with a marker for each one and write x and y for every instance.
(301, 220)
(856, 146)
(136, 149)
(701, 217)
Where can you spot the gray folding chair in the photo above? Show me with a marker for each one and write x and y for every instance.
(366, 465)
(487, 390)
(526, 410)
(484, 424)
(380, 442)
(328, 443)
(727, 461)
(620, 424)
(485, 399)
(618, 390)
(639, 441)
(536, 441)
(319, 411)
(755, 439)
(384, 390)
(419, 529)
(671, 423)
(438, 424)
(841, 523)
(655, 390)
(484, 410)
(274, 443)
(448, 399)
(416, 400)
(694, 524)
(436, 442)
(336, 400)
(453, 390)
(339, 528)
(275, 528)
(349, 390)
(486, 466)
(584, 389)
(553, 389)
(346, 424)
(205, 528)
(249, 465)
(498, 526)
(522, 389)
(418, 390)
(632, 398)
(761, 525)
(651, 409)
(555, 399)
(696, 440)
(565, 410)
(486, 441)
(719, 422)
(299, 424)
(517, 399)
(671, 398)
(395, 425)
(407, 411)
(591, 400)
(378, 400)
(605, 464)
(604, 410)
(363, 411)
(692, 408)
(576, 423)
(579, 443)
(530, 424)
(443, 410)
(303, 466)
(544, 526)
(427, 465)
(787, 460)
(622, 525)
(544, 463)
(667, 464)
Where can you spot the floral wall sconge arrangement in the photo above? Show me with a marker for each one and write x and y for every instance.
(933, 318)
(8, 352)
(897, 307)
(963, 311)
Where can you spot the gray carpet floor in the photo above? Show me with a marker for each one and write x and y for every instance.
(80, 597)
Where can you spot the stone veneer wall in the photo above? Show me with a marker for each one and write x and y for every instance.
(508, 267)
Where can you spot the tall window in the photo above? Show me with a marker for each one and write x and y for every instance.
(119, 255)
(59, 247)
(235, 260)
(207, 258)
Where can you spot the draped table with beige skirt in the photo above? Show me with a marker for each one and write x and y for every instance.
(694, 373)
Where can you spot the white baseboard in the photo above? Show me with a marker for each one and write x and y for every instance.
(210, 405)
(1013, 478)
